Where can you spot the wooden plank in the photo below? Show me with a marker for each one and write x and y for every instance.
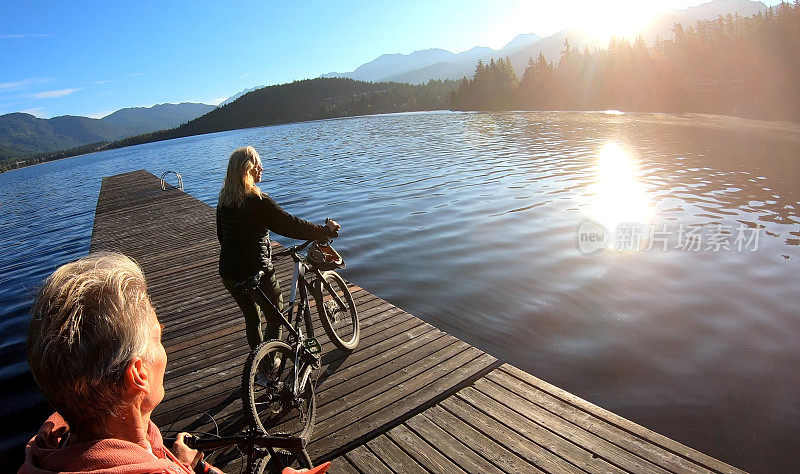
(386, 328)
(421, 451)
(397, 370)
(201, 327)
(449, 446)
(367, 394)
(365, 461)
(560, 442)
(412, 339)
(495, 453)
(671, 447)
(208, 311)
(394, 457)
(596, 446)
(400, 402)
(189, 390)
(186, 352)
(343, 466)
(232, 360)
(534, 453)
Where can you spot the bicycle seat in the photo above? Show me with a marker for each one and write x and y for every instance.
(250, 283)
(314, 470)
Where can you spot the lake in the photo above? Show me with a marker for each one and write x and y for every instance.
(647, 263)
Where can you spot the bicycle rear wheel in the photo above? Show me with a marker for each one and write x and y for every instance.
(338, 314)
(267, 385)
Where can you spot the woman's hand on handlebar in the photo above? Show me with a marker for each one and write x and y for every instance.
(184, 453)
(333, 227)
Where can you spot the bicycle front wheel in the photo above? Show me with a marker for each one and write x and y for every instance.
(275, 464)
(337, 311)
(267, 388)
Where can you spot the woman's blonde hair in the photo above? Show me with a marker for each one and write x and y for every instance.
(89, 320)
(238, 180)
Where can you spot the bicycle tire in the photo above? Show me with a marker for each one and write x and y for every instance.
(268, 400)
(268, 465)
(341, 324)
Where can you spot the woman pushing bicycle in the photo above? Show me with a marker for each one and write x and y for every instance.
(245, 217)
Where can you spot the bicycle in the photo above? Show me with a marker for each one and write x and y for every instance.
(278, 393)
(263, 453)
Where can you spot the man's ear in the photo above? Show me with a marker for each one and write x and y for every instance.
(137, 378)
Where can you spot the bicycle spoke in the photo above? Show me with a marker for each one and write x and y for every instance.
(337, 311)
(272, 406)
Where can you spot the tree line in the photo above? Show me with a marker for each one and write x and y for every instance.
(745, 66)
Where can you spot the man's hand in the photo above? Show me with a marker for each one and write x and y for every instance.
(184, 453)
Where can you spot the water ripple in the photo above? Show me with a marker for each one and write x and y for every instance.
(469, 221)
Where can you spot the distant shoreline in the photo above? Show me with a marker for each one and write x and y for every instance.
(783, 130)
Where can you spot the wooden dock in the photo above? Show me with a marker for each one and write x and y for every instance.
(410, 398)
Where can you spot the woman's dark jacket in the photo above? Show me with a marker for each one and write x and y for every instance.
(243, 234)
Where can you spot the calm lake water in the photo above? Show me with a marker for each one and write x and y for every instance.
(471, 222)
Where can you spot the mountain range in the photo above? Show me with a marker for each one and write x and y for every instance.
(23, 134)
(422, 66)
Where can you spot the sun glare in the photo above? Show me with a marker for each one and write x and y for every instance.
(622, 18)
(618, 197)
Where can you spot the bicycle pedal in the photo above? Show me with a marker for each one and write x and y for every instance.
(312, 346)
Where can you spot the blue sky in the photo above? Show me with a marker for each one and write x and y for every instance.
(91, 58)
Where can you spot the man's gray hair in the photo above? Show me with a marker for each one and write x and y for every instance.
(89, 320)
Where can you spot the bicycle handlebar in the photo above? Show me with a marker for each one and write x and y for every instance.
(297, 248)
(292, 249)
(260, 440)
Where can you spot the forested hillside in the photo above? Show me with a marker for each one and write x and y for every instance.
(745, 66)
(310, 99)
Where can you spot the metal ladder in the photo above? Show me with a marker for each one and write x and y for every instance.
(165, 185)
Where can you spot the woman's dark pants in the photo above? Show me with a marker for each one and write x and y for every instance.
(252, 312)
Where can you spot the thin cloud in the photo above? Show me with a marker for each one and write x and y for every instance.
(134, 74)
(37, 112)
(54, 94)
(23, 84)
(21, 36)
(8, 108)
(97, 83)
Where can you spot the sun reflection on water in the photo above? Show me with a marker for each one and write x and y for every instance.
(618, 196)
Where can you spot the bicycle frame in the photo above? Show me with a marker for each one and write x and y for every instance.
(298, 281)
(291, 319)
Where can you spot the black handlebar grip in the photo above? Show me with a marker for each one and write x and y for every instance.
(190, 441)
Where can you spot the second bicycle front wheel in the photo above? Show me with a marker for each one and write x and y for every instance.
(282, 459)
(337, 311)
(267, 391)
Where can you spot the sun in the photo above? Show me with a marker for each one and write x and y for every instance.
(621, 18)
